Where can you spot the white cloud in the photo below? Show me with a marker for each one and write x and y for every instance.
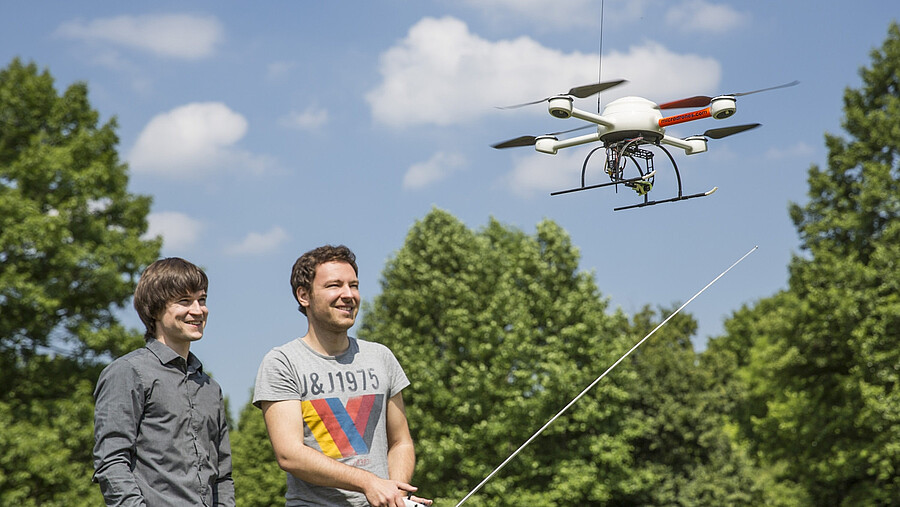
(258, 243)
(434, 169)
(700, 16)
(193, 139)
(443, 74)
(311, 118)
(540, 173)
(277, 70)
(179, 231)
(655, 72)
(796, 150)
(169, 35)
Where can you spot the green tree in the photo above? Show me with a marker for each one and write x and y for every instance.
(498, 331)
(70, 251)
(685, 450)
(258, 480)
(816, 368)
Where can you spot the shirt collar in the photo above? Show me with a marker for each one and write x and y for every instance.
(167, 355)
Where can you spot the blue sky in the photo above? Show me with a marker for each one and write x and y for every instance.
(264, 131)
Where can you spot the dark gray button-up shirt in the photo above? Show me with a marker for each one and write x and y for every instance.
(160, 436)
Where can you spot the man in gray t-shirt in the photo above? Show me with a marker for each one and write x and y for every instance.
(332, 403)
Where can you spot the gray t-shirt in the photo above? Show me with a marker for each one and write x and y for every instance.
(344, 400)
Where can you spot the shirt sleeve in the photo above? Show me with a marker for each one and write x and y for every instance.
(399, 380)
(275, 380)
(224, 482)
(119, 403)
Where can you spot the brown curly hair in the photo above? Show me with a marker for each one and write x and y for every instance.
(304, 269)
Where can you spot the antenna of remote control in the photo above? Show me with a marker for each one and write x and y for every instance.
(598, 379)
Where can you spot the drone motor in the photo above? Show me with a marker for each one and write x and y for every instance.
(546, 144)
(722, 107)
(561, 107)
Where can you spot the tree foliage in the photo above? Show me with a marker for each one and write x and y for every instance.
(258, 480)
(70, 250)
(685, 449)
(816, 368)
(498, 331)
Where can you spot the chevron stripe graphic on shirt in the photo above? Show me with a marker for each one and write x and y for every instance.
(343, 431)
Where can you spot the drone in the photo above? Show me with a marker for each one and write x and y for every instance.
(628, 127)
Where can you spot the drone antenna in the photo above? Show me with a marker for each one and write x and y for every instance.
(600, 57)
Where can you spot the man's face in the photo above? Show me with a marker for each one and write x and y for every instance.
(182, 321)
(333, 301)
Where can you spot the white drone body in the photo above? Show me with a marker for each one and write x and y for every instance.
(627, 127)
(631, 117)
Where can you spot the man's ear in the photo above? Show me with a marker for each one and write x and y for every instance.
(303, 297)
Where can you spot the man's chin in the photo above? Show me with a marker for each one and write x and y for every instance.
(343, 325)
(194, 336)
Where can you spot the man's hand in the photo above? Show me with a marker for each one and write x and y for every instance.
(386, 492)
(412, 501)
(390, 493)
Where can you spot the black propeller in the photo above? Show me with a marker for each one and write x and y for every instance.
(579, 92)
(703, 100)
(719, 133)
(515, 143)
(530, 140)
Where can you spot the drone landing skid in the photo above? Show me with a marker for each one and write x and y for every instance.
(601, 185)
(673, 199)
(642, 183)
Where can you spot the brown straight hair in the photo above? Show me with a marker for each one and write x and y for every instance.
(163, 282)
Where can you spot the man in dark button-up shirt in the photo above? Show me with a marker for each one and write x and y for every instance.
(159, 421)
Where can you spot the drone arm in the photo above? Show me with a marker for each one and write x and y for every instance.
(691, 145)
(550, 145)
(684, 117)
(561, 107)
(592, 117)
